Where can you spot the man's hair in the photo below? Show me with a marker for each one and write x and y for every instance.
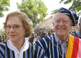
(70, 13)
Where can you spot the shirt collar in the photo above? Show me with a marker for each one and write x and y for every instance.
(24, 47)
(58, 40)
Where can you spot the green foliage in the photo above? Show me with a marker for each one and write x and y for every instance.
(66, 1)
(52, 12)
(76, 4)
(4, 6)
(35, 10)
(2, 32)
(78, 8)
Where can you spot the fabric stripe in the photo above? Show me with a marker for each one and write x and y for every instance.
(50, 49)
(2, 50)
(60, 52)
(24, 55)
(75, 47)
(79, 50)
(53, 46)
(38, 53)
(39, 42)
(8, 53)
(47, 48)
(1, 56)
(55, 49)
(46, 44)
(33, 48)
(43, 43)
(2, 47)
(1, 53)
(11, 54)
(70, 46)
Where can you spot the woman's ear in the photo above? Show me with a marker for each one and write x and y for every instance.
(79, 24)
(53, 23)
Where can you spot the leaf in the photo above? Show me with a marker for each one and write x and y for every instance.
(33, 8)
(4, 6)
(78, 8)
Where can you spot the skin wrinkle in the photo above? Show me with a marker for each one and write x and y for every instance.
(62, 24)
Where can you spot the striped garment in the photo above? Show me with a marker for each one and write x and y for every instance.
(51, 47)
(34, 51)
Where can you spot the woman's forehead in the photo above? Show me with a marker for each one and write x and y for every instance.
(14, 20)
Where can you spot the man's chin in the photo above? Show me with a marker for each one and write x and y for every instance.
(61, 34)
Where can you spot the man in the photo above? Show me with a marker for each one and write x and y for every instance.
(78, 34)
(61, 44)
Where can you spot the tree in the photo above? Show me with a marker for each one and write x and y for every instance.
(2, 32)
(76, 4)
(35, 10)
(53, 11)
(4, 6)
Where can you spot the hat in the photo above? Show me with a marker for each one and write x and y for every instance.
(71, 13)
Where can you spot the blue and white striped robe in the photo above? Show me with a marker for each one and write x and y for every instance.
(50, 46)
(34, 51)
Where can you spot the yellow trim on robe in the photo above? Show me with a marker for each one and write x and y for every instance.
(70, 46)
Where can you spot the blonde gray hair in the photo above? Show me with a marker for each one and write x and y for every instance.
(24, 19)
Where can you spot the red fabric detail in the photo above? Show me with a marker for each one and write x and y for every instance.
(75, 47)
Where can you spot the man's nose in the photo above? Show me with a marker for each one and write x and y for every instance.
(61, 22)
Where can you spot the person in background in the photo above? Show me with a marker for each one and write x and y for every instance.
(78, 34)
(42, 34)
(18, 29)
(32, 38)
(61, 44)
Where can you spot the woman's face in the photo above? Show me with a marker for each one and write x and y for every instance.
(14, 29)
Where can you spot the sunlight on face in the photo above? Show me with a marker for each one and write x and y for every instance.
(14, 29)
(62, 24)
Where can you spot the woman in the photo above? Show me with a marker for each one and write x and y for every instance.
(18, 29)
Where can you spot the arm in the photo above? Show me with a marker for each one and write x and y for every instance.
(44, 43)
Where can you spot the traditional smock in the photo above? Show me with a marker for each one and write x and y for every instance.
(54, 50)
(28, 50)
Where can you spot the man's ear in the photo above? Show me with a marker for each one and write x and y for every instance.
(71, 24)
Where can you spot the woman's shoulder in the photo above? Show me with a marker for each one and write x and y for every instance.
(3, 44)
(2, 49)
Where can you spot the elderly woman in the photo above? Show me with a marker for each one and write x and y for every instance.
(18, 29)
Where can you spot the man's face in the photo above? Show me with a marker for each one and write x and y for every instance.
(62, 24)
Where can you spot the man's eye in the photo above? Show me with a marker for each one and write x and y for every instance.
(57, 21)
